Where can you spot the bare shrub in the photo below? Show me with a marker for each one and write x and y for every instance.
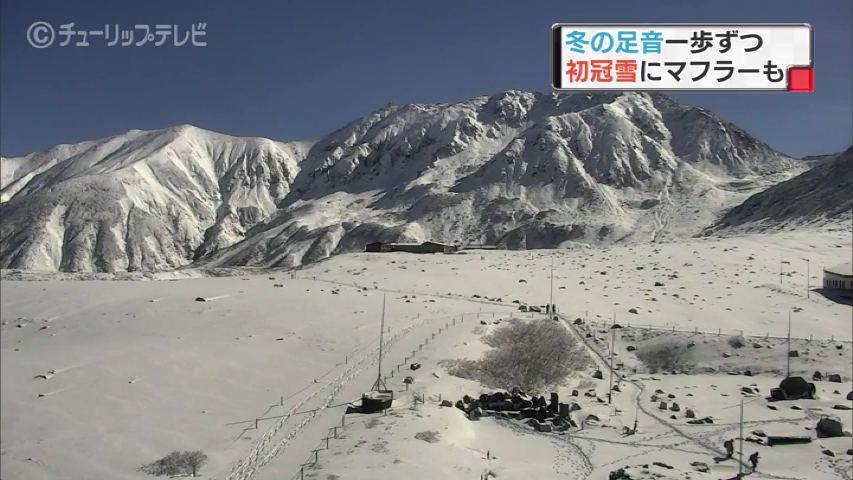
(533, 355)
(373, 422)
(461, 367)
(666, 354)
(502, 337)
(428, 436)
(176, 463)
(736, 341)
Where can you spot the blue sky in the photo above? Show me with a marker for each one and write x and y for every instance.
(299, 70)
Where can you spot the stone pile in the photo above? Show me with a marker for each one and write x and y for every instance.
(544, 415)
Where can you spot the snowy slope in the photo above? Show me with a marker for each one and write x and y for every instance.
(820, 196)
(521, 169)
(525, 170)
(139, 201)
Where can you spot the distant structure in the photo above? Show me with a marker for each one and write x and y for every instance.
(839, 277)
(426, 247)
(479, 246)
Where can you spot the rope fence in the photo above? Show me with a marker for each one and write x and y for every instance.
(599, 324)
(450, 296)
(592, 322)
(334, 433)
(269, 446)
(417, 398)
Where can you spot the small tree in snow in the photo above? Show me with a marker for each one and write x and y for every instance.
(666, 355)
(176, 463)
(533, 355)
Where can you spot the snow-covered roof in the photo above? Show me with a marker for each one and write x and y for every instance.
(845, 269)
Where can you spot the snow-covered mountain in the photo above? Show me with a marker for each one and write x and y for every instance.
(144, 200)
(526, 170)
(821, 196)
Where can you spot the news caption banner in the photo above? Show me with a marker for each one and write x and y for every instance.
(688, 57)
(43, 35)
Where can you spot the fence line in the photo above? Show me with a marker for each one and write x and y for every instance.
(334, 432)
(483, 301)
(417, 398)
(353, 361)
(696, 331)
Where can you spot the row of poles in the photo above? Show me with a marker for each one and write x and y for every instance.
(615, 327)
(380, 383)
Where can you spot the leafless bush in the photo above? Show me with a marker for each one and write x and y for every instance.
(505, 336)
(736, 341)
(176, 463)
(428, 436)
(533, 355)
(373, 422)
(666, 354)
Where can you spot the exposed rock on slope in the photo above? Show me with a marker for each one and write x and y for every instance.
(522, 169)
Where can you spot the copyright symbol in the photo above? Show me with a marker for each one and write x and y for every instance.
(41, 35)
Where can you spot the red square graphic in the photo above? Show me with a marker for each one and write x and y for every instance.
(800, 79)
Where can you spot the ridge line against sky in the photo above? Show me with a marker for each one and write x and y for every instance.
(301, 72)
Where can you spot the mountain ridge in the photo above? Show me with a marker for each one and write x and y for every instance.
(813, 198)
(526, 170)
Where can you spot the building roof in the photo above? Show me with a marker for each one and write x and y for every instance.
(844, 270)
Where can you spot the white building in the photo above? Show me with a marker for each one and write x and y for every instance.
(839, 277)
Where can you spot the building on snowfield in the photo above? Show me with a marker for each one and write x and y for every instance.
(839, 277)
(425, 247)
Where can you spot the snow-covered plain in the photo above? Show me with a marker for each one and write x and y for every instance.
(141, 368)
(730, 284)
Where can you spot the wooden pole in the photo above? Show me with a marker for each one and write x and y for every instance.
(612, 346)
(788, 375)
(380, 383)
(740, 462)
(382, 335)
(551, 295)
